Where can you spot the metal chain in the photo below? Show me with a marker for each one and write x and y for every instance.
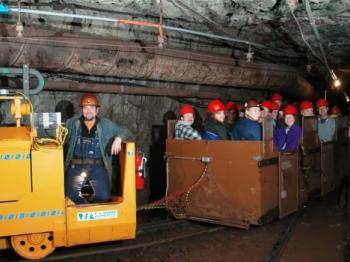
(173, 202)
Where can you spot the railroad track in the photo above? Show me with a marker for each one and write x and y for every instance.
(125, 246)
(277, 249)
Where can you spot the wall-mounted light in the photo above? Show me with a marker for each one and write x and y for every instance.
(347, 99)
(249, 54)
(19, 25)
(19, 29)
(336, 81)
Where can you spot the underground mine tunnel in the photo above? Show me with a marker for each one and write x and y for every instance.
(174, 130)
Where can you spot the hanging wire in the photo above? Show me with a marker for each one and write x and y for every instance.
(314, 28)
(303, 36)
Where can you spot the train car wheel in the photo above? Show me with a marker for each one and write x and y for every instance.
(33, 246)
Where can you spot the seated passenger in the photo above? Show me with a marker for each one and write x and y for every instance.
(288, 138)
(248, 127)
(277, 99)
(274, 114)
(231, 114)
(335, 112)
(326, 124)
(240, 110)
(214, 128)
(306, 108)
(183, 129)
(266, 107)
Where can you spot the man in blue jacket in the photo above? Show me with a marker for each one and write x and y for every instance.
(91, 142)
(248, 127)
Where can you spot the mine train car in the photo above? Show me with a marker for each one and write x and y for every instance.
(35, 216)
(244, 183)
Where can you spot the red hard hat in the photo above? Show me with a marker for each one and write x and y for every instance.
(240, 107)
(335, 110)
(290, 110)
(321, 102)
(186, 109)
(215, 105)
(231, 106)
(306, 105)
(276, 96)
(89, 100)
(267, 104)
(274, 106)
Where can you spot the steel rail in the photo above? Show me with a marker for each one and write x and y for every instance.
(126, 248)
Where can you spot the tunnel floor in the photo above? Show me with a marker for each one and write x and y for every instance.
(317, 233)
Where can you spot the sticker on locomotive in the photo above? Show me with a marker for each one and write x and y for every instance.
(17, 156)
(97, 215)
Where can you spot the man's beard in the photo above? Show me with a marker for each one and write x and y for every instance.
(92, 118)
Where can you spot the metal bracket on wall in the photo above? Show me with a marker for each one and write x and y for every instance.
(268, 162)
(203, 159)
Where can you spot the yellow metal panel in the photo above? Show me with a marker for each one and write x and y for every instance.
(41, 209)
(14, 133)
(108, 221)
(14, 163)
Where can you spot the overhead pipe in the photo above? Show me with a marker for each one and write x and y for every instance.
(26, 72)
(90, 56)
(4, 9)
(74, 86)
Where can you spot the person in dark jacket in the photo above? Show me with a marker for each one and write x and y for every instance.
(288, 139)
(248, 127)
(214, 127)
(266, 109)
(91, 142)
(274, 114)
(231, 114)
(306, 108)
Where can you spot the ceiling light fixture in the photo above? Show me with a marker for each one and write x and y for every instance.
(336, 81)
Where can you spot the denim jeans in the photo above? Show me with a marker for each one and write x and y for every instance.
(98, 178)
(96, 174)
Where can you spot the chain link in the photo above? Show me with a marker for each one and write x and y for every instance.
(174, 202)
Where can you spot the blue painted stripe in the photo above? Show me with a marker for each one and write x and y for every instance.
(17, 156)
(31, 215)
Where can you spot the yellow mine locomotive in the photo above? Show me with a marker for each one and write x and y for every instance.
(35, 215)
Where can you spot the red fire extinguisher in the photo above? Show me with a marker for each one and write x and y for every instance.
(140, 169)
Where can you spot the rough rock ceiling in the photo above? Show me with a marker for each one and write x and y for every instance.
(269, 23)
(275, 31)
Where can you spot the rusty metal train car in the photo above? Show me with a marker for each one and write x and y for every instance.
(244, 183)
